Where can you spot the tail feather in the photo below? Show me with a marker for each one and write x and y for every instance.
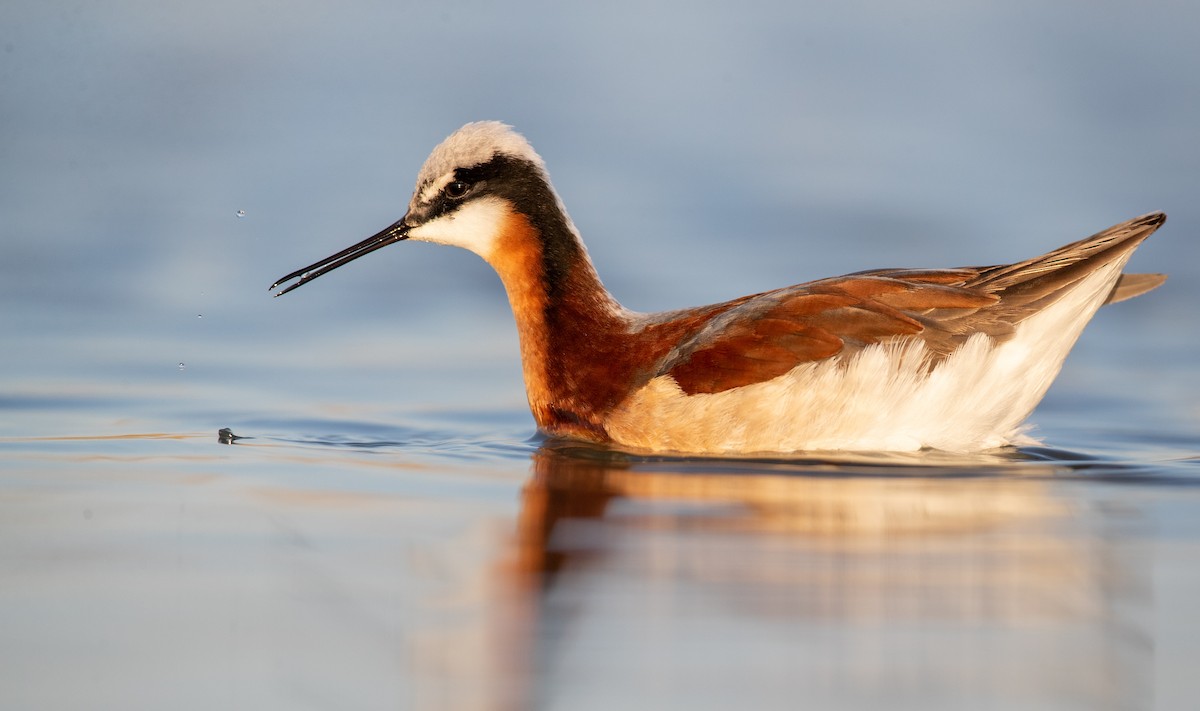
(1101, 246)
(1131, 285)
(1026, 286)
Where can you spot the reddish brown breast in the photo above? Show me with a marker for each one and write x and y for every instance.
(581, 353)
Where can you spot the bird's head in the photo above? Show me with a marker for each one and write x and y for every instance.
(467, 194)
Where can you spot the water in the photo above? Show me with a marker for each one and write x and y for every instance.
(456, 564)
(386, 530)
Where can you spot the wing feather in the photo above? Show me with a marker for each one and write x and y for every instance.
(762, 337)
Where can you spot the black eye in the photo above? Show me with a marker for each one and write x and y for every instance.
(456, 189)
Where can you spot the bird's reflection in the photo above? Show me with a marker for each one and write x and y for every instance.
(954, 577)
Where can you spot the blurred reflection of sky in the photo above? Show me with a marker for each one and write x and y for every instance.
(763, 145)
(705, 152)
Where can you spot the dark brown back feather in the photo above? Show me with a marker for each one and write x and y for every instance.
(762, 337)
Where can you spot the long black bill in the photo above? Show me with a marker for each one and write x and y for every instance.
(394, 233)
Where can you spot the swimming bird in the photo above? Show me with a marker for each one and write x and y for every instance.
(881, 360)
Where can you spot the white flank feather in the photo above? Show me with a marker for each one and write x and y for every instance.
(882, 399)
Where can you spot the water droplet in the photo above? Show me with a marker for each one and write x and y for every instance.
(182, 366)
(241, 213)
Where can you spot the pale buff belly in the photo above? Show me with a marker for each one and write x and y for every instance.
(885, 398)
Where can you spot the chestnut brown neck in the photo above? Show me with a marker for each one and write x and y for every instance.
(569, 327)
(581, 352)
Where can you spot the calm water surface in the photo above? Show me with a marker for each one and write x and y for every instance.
(390, 534)
(446, 559)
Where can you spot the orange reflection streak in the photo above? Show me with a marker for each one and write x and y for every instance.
(84, 438)
(566, 486)
(834, 545)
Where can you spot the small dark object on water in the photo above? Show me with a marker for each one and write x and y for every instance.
(226, 436)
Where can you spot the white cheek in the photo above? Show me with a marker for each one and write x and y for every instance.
(474, 226)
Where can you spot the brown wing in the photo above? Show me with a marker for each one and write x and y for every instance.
(769, 335)
(765, 336)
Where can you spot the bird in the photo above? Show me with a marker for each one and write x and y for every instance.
(885, 360)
